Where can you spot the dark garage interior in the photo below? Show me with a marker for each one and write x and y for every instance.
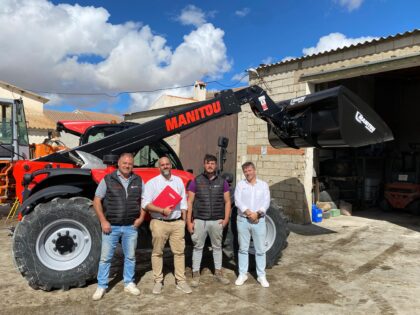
(383, 175)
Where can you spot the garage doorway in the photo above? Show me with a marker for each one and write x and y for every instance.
(360, 176)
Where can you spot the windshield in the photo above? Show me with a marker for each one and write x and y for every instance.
(150, 154)
(6, 124)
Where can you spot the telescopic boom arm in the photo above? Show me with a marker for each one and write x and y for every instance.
(330, 118)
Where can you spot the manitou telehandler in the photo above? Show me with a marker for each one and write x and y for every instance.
(58, 240)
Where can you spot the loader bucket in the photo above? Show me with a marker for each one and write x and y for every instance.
(331, 118)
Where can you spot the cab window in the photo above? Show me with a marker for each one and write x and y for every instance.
(150, 154)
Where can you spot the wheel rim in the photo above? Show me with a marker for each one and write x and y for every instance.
(270, 237)
(63, 244)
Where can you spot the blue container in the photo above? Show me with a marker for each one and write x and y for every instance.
(316, 214)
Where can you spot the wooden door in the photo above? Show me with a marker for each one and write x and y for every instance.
(198, 141)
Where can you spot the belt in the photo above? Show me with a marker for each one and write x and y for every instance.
(168, 220)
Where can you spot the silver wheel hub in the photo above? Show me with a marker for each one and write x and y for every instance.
(269, 238)
(63, 244)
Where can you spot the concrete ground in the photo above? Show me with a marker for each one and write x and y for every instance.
(344, 265)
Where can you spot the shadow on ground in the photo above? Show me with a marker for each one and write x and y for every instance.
(398, 217)
(309, 229)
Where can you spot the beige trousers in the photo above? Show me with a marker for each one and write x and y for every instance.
(161, 232)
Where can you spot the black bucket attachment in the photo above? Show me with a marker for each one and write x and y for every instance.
(331, 118)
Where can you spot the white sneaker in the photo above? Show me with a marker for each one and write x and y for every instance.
(99, 294)
(241, 279)
(263, 281)
(132, 289)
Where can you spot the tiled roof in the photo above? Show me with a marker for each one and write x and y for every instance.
(49, 118)
(365, 43)
(38, 120)
(80, 115)
(182, 98)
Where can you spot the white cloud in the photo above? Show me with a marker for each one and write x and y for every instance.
(191, 15)
(242, 12)
(350, 5)
(47, 46)
(333, 41)
(240, 78)
(268, 60)
(141, 101)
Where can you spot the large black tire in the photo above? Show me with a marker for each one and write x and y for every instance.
(277, 233)
(276, 239)
(58, 245)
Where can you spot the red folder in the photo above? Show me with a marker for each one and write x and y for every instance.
(167, 198)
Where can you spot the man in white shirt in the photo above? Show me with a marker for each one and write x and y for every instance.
(252, 199)
(167, 223)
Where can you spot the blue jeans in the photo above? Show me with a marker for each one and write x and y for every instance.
(128, 234)
(258, 231)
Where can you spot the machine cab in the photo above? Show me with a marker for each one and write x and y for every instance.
(14, 142)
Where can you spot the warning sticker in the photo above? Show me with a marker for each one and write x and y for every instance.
(263, 103)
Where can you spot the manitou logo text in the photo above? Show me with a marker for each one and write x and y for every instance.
(297, 100)
(362, 120)
(192, 116)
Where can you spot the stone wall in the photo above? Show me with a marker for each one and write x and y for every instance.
(285, 170)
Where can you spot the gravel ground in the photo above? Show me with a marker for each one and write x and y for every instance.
(365, 264)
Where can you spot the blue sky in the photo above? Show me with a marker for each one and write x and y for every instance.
(83, 52)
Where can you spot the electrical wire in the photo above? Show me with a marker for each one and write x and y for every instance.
(132, 92)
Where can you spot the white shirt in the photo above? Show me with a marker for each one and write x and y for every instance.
(153, 188)
(253, 197)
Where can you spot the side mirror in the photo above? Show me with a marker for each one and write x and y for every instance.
(190, 170)
(223, 142)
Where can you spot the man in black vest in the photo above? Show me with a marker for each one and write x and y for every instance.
(208, 213)
(117, 204)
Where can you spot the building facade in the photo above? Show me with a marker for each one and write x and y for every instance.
(361, 67)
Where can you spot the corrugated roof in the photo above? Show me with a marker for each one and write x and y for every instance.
(366, 43)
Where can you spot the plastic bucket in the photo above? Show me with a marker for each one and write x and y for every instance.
(316, 214)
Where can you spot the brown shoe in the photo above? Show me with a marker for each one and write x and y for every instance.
(218, 276)
(195, 279)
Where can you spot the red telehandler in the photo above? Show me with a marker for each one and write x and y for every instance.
(57, 242)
